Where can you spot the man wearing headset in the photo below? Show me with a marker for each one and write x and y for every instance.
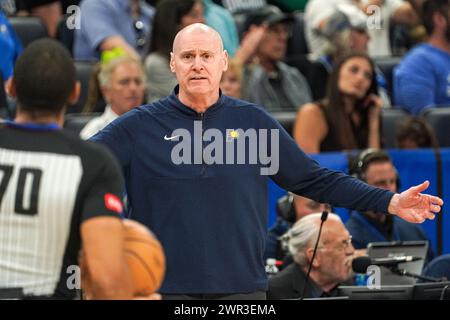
(290, 208)
(375, 167)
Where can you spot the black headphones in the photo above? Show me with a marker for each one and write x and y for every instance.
(285, 208)
(360, 164)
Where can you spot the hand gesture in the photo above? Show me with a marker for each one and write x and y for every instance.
(413, 206)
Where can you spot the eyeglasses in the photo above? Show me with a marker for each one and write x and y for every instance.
(140, 34)
(342, 246)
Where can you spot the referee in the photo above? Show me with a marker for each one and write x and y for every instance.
(56, 191)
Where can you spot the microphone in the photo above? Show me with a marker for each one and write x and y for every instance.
(323, 218)
(360, 264)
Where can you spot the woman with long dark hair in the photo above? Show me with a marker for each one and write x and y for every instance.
(349, 116)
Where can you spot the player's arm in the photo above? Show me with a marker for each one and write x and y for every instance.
(104, 258)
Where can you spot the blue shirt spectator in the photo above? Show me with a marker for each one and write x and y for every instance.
(103, 19)
(222, 21)
(423, 79)
(10, 47)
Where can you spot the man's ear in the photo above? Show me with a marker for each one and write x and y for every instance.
(10, 88)
(225, 62)
(309, 254)
(172, 63)
(75, 94)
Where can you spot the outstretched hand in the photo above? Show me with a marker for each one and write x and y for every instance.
(413, 206)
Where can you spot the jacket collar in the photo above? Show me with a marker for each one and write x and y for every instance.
(191, 113)
(299, 281)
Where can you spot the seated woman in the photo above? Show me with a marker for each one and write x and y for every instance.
(349, 116)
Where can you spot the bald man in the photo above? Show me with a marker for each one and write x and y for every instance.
(197, 164)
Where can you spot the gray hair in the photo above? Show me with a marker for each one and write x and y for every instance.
(339, 44)
(303, 235)
(106, 69)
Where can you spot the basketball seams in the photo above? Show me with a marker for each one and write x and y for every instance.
(144, 264)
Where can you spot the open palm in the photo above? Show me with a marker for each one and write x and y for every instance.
(413, 206)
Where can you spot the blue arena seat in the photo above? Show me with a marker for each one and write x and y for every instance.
(390, 119)
(439, 120)
(84, 70)
(297, 44)
(74, 122)
(387, 65)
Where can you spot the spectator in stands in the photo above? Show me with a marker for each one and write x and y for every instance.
(121, 81)
(422, 79)
(8, 7)
(332, 264)
(270, 82)
(107, 24)
(95, 101)
(10, 48)
(375, 167)
(243, 6)
(230, 84)
(50, 12)
(414, 132)
(345, 31)
(349, 116)
(221, 20)
(317, 13)
(170, 17)
(290, 209)
(383, 14)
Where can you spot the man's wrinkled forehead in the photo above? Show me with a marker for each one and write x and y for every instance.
(199, 36)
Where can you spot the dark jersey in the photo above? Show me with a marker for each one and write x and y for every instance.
(49, 184)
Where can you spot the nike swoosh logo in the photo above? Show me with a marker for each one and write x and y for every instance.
(170, 138)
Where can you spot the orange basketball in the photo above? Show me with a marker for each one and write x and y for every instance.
(145, 257)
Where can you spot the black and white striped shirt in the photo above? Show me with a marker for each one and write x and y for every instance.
(49, 184)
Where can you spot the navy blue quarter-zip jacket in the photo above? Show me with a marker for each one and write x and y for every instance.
(210, 217)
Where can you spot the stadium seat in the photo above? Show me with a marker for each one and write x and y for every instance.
(286, 119)
(297, 44)
(390, 119)
(301, 62)
(65, 35)
(28, 29)
(84, 70)
(439, 120)
(387, 65)
(76, 121)
(439, 267)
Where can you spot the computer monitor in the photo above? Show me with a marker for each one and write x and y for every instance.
(395, 249)
(432, 291)
(403, 292)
